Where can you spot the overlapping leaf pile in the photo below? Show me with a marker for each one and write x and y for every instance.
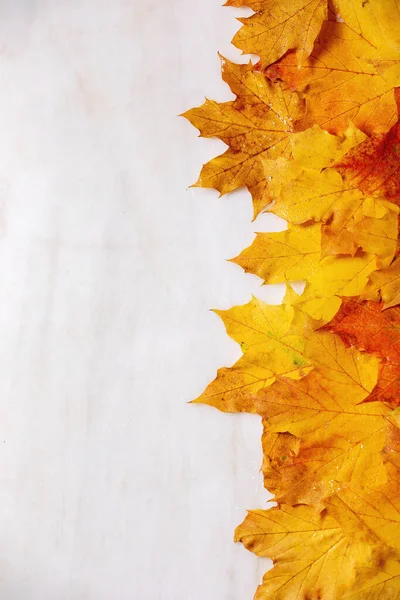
(314, 135)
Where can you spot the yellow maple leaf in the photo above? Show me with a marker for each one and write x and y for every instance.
(316, 148)
(329, 435)
(307, 186)
(372, 226)
(289, 255)
(278, 342)
(337, 276)
(302, 195)
(344, 80)
(385, 285)
(279, 26)
(299, 252)
(271, 344)
(351, 221)
(376, 21)
(336, 554)
(342, 446)
(256, 125)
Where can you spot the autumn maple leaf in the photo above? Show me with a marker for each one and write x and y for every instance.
(375, 21)
(385, 285)
(279, 342)
(366, 326)
(357, 234)
(309, 187)
(271, 345)
(315, 425)
(344, 79)
(304, 185)
(256, 125)
(374, 165)
(318, 433)
(350, 550)
(279, 26)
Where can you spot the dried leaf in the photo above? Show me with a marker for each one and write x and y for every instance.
(285, 256)
(279, 26)
(278, 342)
(345, 79)
(343, 449)
(376, 21)
(385, 285)
(337, 554)
(337, 276)
(270, 340)
(256, 125)
(374, 165)
(365, 326)
(357, 227)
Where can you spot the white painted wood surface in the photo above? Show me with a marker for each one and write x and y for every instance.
(111, 486)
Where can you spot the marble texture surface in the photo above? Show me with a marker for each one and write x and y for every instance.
(112, 487)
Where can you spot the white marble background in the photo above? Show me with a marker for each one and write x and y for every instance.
(111, 486)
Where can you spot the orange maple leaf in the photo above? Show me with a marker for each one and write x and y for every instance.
(374, 165)
(366, 326)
